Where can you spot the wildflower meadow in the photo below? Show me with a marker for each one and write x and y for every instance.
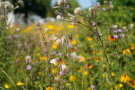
(83, 49)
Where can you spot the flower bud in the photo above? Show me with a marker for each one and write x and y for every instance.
(59, 17)
(60, 2)
(77, 10)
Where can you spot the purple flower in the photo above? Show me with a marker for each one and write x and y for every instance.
(115, 36)
(116, 31)
(53, 53)
(104, 9)
(119, 30)
(94, 23)
(28, 67)
(27, 61)
(61, 73)
(93, 87)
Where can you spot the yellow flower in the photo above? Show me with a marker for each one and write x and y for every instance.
(50, 27)
(89, 39)
(6, 86)
(90, 66)
(71, 26)
(119, 86)
(42, 58)
(103, 75)
(112, 74)
(55, 45)
(54, 70)
(71, 78)
(59, 29)
(49, 88)
(132, 83)
(124, 78)
(126, 51)
(85, 73)
(89, 89)
(80, 69)
(19, 83)
(81, 59)
(28, 29)
(133, 47)
(73, 42)
(67, 84)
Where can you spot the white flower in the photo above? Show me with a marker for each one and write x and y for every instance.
(53, 61)
(60, 2)
(74, 55)
(58, 41)
(63, 67)
(77, 10)
(59, 17)
(115, 26)
(131, 26)
(28, 58)
(111, 6)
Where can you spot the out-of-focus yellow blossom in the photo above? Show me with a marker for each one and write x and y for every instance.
(59, 29)
(89, 39)
(6, 86)
(103, 75)
(49, 88)
(50, 26)
(132, 83)
(71, 26)
(19, 83)
(89, 88)
(67, 84)
(42, 58)
(124, 78)
(71, 78)
(73, 42)
(80, 69)
(126, 51)
(90, 66)
(37, 54)
(81, 59)
(28, 29)
(54, 70)
(93, 45)
(132, 47)
(112, 74)
(85, 73)
(55, 45)
(39, 73)
(53, 32)
(97, 59)
(119, 86)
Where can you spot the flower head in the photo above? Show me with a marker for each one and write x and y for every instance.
(19, 83)
(124, 78)
(77, 10)
(6, 86)
(28, 67)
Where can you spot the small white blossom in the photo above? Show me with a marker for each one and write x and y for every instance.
(77, 10)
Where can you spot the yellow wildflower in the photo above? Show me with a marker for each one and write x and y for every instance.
(42, 58)
(55, 45)
(112, 74)
(72, 78)
(49, 88)
(54, 70)
(50, 27)
(133, 47)
(85, 73)
(19, 83)
(73, 42)
(89, 39)
(132, 83)
(6, 86)
(124, 78)
(126, 51)
(89, 88)
(71, 26)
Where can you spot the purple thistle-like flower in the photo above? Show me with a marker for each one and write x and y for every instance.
(115, 36)
(104, 9)
(94, 23)
(28, 67)
(27, 61)
(119, 30)
(61, 73)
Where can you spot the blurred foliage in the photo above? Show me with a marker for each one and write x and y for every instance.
(123, 12)
(40, 7)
